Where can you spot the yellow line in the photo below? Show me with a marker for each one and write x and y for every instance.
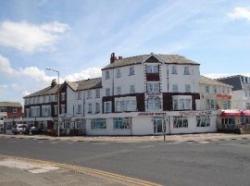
(92, 172)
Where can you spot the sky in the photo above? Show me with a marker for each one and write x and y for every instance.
(77, 37)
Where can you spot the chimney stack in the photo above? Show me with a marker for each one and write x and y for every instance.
(53, 83)
(112, 58)
(119, 57)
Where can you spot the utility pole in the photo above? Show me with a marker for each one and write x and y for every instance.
(58, 100)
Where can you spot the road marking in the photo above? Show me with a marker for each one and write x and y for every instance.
(92, 172)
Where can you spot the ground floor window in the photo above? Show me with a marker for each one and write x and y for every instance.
(203, 121)
(122, 123)
(180, 122)
(99, 123)
(228, 121)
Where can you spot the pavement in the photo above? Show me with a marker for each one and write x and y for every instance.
(217, 161)
(137, 139)
(16, 171)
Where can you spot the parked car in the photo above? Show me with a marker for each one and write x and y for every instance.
(34, 130)
(20, 129)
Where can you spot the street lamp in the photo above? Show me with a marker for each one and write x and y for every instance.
(58, 102)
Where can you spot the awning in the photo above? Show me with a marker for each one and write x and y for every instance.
(246, 113)
(230, 113)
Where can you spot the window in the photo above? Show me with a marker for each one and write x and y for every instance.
(107, 91)
(89, 94)
(90, 108)
(14, 110)
(182, 103)
(78, 95)
(207, 89)
(131, 71)
(186, 70)
(107, 75)
(128, 104)
(79, 109)
(46, 111)
(118, 90)
(175, 88)
(180, 122)
(55, 109)
(154, 104)
(97, 93)
(215, 89)
(187, 88)
(62, 108)
(152, 69)
(118, 73)
(63, 96)
(153, 87)
(97, 108)
(174, 69)
(107, 107)
(203, 121)
(132, 89)
(99, 123)
(122, 123)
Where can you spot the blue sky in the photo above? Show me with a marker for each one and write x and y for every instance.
(77, 37)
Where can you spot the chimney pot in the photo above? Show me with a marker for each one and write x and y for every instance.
(112, 58)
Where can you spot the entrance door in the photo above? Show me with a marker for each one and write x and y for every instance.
(158, 125)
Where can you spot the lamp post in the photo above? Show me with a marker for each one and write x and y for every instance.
(58, 100)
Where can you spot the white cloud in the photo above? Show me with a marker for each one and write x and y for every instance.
(29, 37)
(5, 66)
(84, 74)
(240, 13)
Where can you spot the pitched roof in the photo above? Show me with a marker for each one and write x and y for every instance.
(10, 104)
(163, 58)
(46, 91)
(206, 80)
(75, 85)
(234, 81)
(86, 84)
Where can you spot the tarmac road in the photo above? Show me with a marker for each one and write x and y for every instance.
(176, 163)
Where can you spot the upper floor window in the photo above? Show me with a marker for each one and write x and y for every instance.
(152, 69)
(153, 87)
(186, 70)
(79, 109)
(215, 89)
(174, 69)
(79, 95)
(175, 88)
(182, 103)
(154, 103)
(107, 107)
(89, 94)
(131, 71)
(118, 90)
(107, 75)
(90, 108)
(188, 88)
(132, 89)
(118, 73)
(207, 89)
(107, 91)
(97, 93)
(97, 108)
(63, 96)
(63, 110)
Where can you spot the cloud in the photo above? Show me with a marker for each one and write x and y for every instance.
(84, 74)
(5, 66)
(240, 13)
(29, 37)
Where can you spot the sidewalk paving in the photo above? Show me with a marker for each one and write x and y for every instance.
(137, 139)
(16, 171)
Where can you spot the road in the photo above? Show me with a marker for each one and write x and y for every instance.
(186, 163)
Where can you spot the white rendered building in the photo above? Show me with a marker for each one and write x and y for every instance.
(139, 95)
